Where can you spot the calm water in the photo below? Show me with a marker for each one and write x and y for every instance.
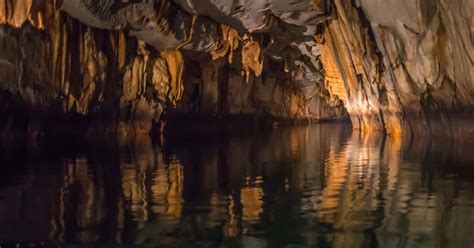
(306, 186)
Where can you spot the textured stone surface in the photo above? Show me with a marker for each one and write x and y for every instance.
(97, 76)
(93, 80)
(406, 65)
(216, 89)
(398, 66)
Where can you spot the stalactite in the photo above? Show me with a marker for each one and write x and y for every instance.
(21, 10)
(159, 78)
(230, 42)
(251, 59)
(15, 13)
(79, 70)
(391, 72)
(93, 68)
(175, 62)
(135, 76)
(122, 49)
(190, 34)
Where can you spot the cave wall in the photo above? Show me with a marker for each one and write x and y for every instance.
(121, 66)
(62, 73)
(217, 89)
(403, 67)
(406, 66)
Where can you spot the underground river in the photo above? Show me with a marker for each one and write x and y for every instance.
(320, 185)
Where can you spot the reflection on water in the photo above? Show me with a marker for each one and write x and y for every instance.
(317, 186)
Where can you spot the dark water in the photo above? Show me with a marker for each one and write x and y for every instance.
(314, 186)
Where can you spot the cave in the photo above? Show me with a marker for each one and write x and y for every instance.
(237, 123)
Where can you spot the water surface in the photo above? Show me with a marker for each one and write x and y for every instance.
(305, 186)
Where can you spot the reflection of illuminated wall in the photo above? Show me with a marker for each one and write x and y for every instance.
(252, 204)
(349, 198)
(159, 190)
(79, 188)
(358, 186)
(148, 188)
(174, 198)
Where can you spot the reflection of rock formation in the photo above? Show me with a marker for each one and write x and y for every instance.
(252, 204)
(150, 190)
(371, 169)
(351, 189)
(81, 203)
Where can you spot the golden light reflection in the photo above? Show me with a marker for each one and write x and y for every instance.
(231, 228)
(348, 182)
(251, 198)
(174, 198)
(252, 203)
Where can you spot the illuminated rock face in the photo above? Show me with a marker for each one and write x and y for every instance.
(123, 64)
(66, 71)
(396, 66)
(405, 65)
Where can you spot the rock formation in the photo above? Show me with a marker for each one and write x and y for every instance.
(404, 67)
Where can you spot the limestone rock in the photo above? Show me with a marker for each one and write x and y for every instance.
(397, 66)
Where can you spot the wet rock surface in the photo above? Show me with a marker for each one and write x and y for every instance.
(397, 66)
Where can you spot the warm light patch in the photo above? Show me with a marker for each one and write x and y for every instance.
(333, 78)
(251, 59)
(175, 62)
(122, 49)
(252, 204)
(230, 42)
